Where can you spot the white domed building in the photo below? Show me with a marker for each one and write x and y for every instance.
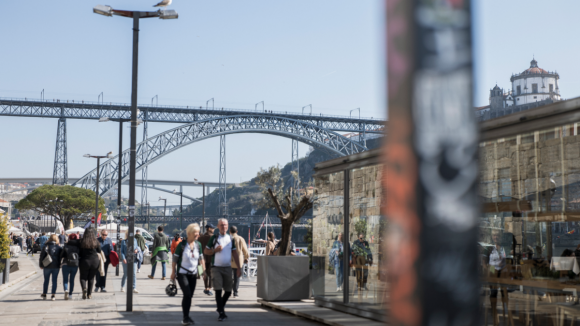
(535, 84)
(532, 88)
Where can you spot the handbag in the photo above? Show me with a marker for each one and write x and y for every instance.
(199, 270)
(47, 260)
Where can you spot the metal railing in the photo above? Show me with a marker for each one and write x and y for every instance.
(192, 107)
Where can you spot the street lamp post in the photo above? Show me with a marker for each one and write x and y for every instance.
(136, 15)
(180, 207)
(164, 206)
(109, 155)
(202, 204)
(148, 206)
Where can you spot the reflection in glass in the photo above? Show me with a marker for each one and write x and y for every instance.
(529, 231)
(366, 227)
(327, 229)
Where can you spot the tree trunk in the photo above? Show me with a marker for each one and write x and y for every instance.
(285, 247)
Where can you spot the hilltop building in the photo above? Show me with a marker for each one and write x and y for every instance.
(532, 88)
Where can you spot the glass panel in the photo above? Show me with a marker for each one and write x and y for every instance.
(367, 281)
(529, 236)
(327, 227)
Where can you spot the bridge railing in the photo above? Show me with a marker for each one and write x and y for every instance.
(189, 107)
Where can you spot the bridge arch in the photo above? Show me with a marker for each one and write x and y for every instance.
(171, 140)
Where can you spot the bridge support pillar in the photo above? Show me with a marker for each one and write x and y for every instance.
(60, 171)
(223, 206)
(144, 156)
(295, 168)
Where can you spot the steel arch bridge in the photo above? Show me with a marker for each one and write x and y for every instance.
(164, 143)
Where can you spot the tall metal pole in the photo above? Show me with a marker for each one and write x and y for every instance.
(132, 164)
(97, 193)
(119, 201)
(203, 208)
(431, 169)
(181, 208)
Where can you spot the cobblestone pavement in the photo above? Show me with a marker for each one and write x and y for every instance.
(151, 306)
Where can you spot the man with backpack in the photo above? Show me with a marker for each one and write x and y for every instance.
(222, 248)
(160, 252)
(204, 240)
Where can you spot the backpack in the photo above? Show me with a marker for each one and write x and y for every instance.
(215, 239)
(72, 256)
(37, 241)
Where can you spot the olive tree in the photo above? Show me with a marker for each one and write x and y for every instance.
(291, 204)
(62, 202)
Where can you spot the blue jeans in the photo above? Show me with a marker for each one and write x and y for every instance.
(338, 267)
(163, 269)
(68, 274)
(124, 278)
(47, 273)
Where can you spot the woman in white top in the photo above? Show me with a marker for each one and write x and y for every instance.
(187, 259)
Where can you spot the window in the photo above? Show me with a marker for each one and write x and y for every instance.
(534, 88)
(551, 88)
(535, 97)
(519, 90)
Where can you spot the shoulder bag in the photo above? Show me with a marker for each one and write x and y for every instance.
(47, 260)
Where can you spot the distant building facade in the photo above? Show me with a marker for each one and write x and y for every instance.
(532, 88)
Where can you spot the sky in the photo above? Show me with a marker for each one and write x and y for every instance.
(328, 53)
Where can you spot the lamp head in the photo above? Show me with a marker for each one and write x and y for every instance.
(103, 10)
(104, 119)
(87, 155)
(109, 154)
(168, 14)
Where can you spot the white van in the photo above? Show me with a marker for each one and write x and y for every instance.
(148, 237)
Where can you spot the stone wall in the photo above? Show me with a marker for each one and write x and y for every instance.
(328, 219)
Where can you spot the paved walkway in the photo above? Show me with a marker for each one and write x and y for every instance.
(26, 268)
(22, 305)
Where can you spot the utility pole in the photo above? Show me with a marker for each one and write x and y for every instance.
(432, 167)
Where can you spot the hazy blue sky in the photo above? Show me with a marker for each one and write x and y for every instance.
(328, 53)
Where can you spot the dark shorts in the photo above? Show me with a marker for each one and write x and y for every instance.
(222, 278)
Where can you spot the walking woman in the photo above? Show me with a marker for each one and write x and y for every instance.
(52, 249)
(89, 263)
(186, 259)
(70, 265)
(138, 255)
(29, 245)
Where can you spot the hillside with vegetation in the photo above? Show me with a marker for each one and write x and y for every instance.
(240, 197)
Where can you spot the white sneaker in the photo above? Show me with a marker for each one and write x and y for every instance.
(138, 271)
(135, 291)
(122, 289)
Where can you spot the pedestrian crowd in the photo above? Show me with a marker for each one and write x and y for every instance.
(217, 258)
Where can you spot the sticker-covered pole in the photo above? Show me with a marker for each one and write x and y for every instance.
(431, 169)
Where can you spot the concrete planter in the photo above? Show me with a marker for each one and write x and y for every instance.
(317, 276)
(285, 278)
(5, 278)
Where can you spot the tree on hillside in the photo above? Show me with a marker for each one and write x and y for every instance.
(62, 202)
(290, 204)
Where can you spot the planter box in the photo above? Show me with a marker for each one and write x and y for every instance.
(317, 276)
(14, 267)
(285, 278)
